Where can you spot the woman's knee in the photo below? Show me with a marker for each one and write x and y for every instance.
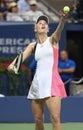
(39, 119)
(55, 117)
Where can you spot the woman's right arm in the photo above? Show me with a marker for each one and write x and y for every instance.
(27, 52)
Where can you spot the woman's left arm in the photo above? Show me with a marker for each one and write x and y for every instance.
(55, 37)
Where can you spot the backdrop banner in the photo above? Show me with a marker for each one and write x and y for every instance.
(18, 109)
(14, 37)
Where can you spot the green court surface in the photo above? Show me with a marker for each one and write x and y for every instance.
(30, 126)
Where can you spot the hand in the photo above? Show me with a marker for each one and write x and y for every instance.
(60, 70)
(10, 68)
(64, 14)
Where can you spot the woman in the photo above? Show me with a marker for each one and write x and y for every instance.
(47, 86)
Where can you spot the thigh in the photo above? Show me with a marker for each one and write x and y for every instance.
(54, 105)
(38, 108)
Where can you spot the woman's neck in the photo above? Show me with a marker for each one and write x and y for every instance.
(41, 38)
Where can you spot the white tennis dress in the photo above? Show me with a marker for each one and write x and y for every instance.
(46, 82)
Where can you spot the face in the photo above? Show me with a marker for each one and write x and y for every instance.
(63, 55)
(42, 27)
(15, 9)
(27, 1)
(33, 7)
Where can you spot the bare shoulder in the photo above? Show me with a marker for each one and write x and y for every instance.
(31, 45)
(29, 49)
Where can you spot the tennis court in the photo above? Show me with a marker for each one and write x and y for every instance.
(30, 126)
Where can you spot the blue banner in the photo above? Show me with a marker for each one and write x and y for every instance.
(15, 37)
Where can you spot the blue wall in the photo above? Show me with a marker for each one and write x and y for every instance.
(18, 109)
(16, 36)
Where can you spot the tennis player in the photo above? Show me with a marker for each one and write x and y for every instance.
(47, 86)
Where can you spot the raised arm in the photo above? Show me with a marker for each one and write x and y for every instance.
(55, 37)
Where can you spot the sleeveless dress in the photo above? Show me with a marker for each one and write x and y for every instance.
(46, 81)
